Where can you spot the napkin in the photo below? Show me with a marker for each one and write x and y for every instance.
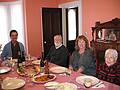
(99, 85)
(62, 74)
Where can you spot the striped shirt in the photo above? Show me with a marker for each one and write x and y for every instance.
(109, 74)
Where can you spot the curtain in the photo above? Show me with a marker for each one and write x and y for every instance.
(11, 17)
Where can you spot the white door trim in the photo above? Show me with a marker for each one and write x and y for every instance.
(77, 3)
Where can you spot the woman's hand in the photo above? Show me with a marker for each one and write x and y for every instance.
(70, 68)
(80, 70)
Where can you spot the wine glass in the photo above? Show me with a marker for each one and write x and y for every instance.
(11, 64)
(0, 62)
(68, 73)
(0, 46)
(87, 83)
(29, 78)
(28, 57)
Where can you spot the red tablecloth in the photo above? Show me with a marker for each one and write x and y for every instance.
(59, 78)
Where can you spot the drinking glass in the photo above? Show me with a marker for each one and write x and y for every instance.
(28, 57)
(68, 73)
(87, 83)
(0, 46)
(29, 79)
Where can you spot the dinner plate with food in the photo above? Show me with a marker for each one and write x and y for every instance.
(85, 79)
(4, 69)
(66, 86)
(29, 70)
(12, 83)
(44, 78)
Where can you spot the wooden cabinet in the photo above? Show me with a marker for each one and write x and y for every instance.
(100, 38)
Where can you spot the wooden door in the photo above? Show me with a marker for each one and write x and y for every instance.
(52, 25)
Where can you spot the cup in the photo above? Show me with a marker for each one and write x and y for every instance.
(87, 83)
(28, 57)
(0, 46)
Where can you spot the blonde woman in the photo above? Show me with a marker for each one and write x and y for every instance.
(82, 59)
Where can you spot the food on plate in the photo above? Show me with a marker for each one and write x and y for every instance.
(87, 79)
(12, 83)
(44, 78)
(37, 68)
(88, 82)
(29, 70)
(66, 86)
(21, 69)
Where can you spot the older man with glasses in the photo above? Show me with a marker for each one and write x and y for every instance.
(58, 53)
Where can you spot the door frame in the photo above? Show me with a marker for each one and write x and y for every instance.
(73, 4)
(49, 12)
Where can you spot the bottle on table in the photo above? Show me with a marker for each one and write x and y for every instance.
(42, 64)
(46, 67)
(19, 59)
(23, 58)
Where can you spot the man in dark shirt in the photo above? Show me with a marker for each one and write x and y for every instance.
(58, 53)
(12, 48)
(15, 49)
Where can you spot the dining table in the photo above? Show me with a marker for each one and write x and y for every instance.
(60, 78)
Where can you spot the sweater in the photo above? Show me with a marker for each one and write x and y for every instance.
(110, 74)
(85, 61)
(58, 56)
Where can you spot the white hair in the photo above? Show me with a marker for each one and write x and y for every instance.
(112, 52)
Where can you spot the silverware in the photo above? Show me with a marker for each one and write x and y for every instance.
(97, 85)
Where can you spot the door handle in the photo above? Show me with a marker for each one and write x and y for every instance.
(45, 42)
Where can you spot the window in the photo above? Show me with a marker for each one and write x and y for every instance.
(72, 29)
(3, 25)
(11, 17)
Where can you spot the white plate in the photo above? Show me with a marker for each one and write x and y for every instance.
(51, 85)
(58, 69)
(43, 81)
(12, 83)
(81, 79)
(66, 86)
(4, 69)
(36, 62)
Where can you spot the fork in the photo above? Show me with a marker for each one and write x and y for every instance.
(97, 85)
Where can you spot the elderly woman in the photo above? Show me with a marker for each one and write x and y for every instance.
(110, 70)
(82, 59)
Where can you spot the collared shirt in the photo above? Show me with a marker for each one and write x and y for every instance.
(15, 48)
(7, 51)
(58, 46)
(110, 74)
